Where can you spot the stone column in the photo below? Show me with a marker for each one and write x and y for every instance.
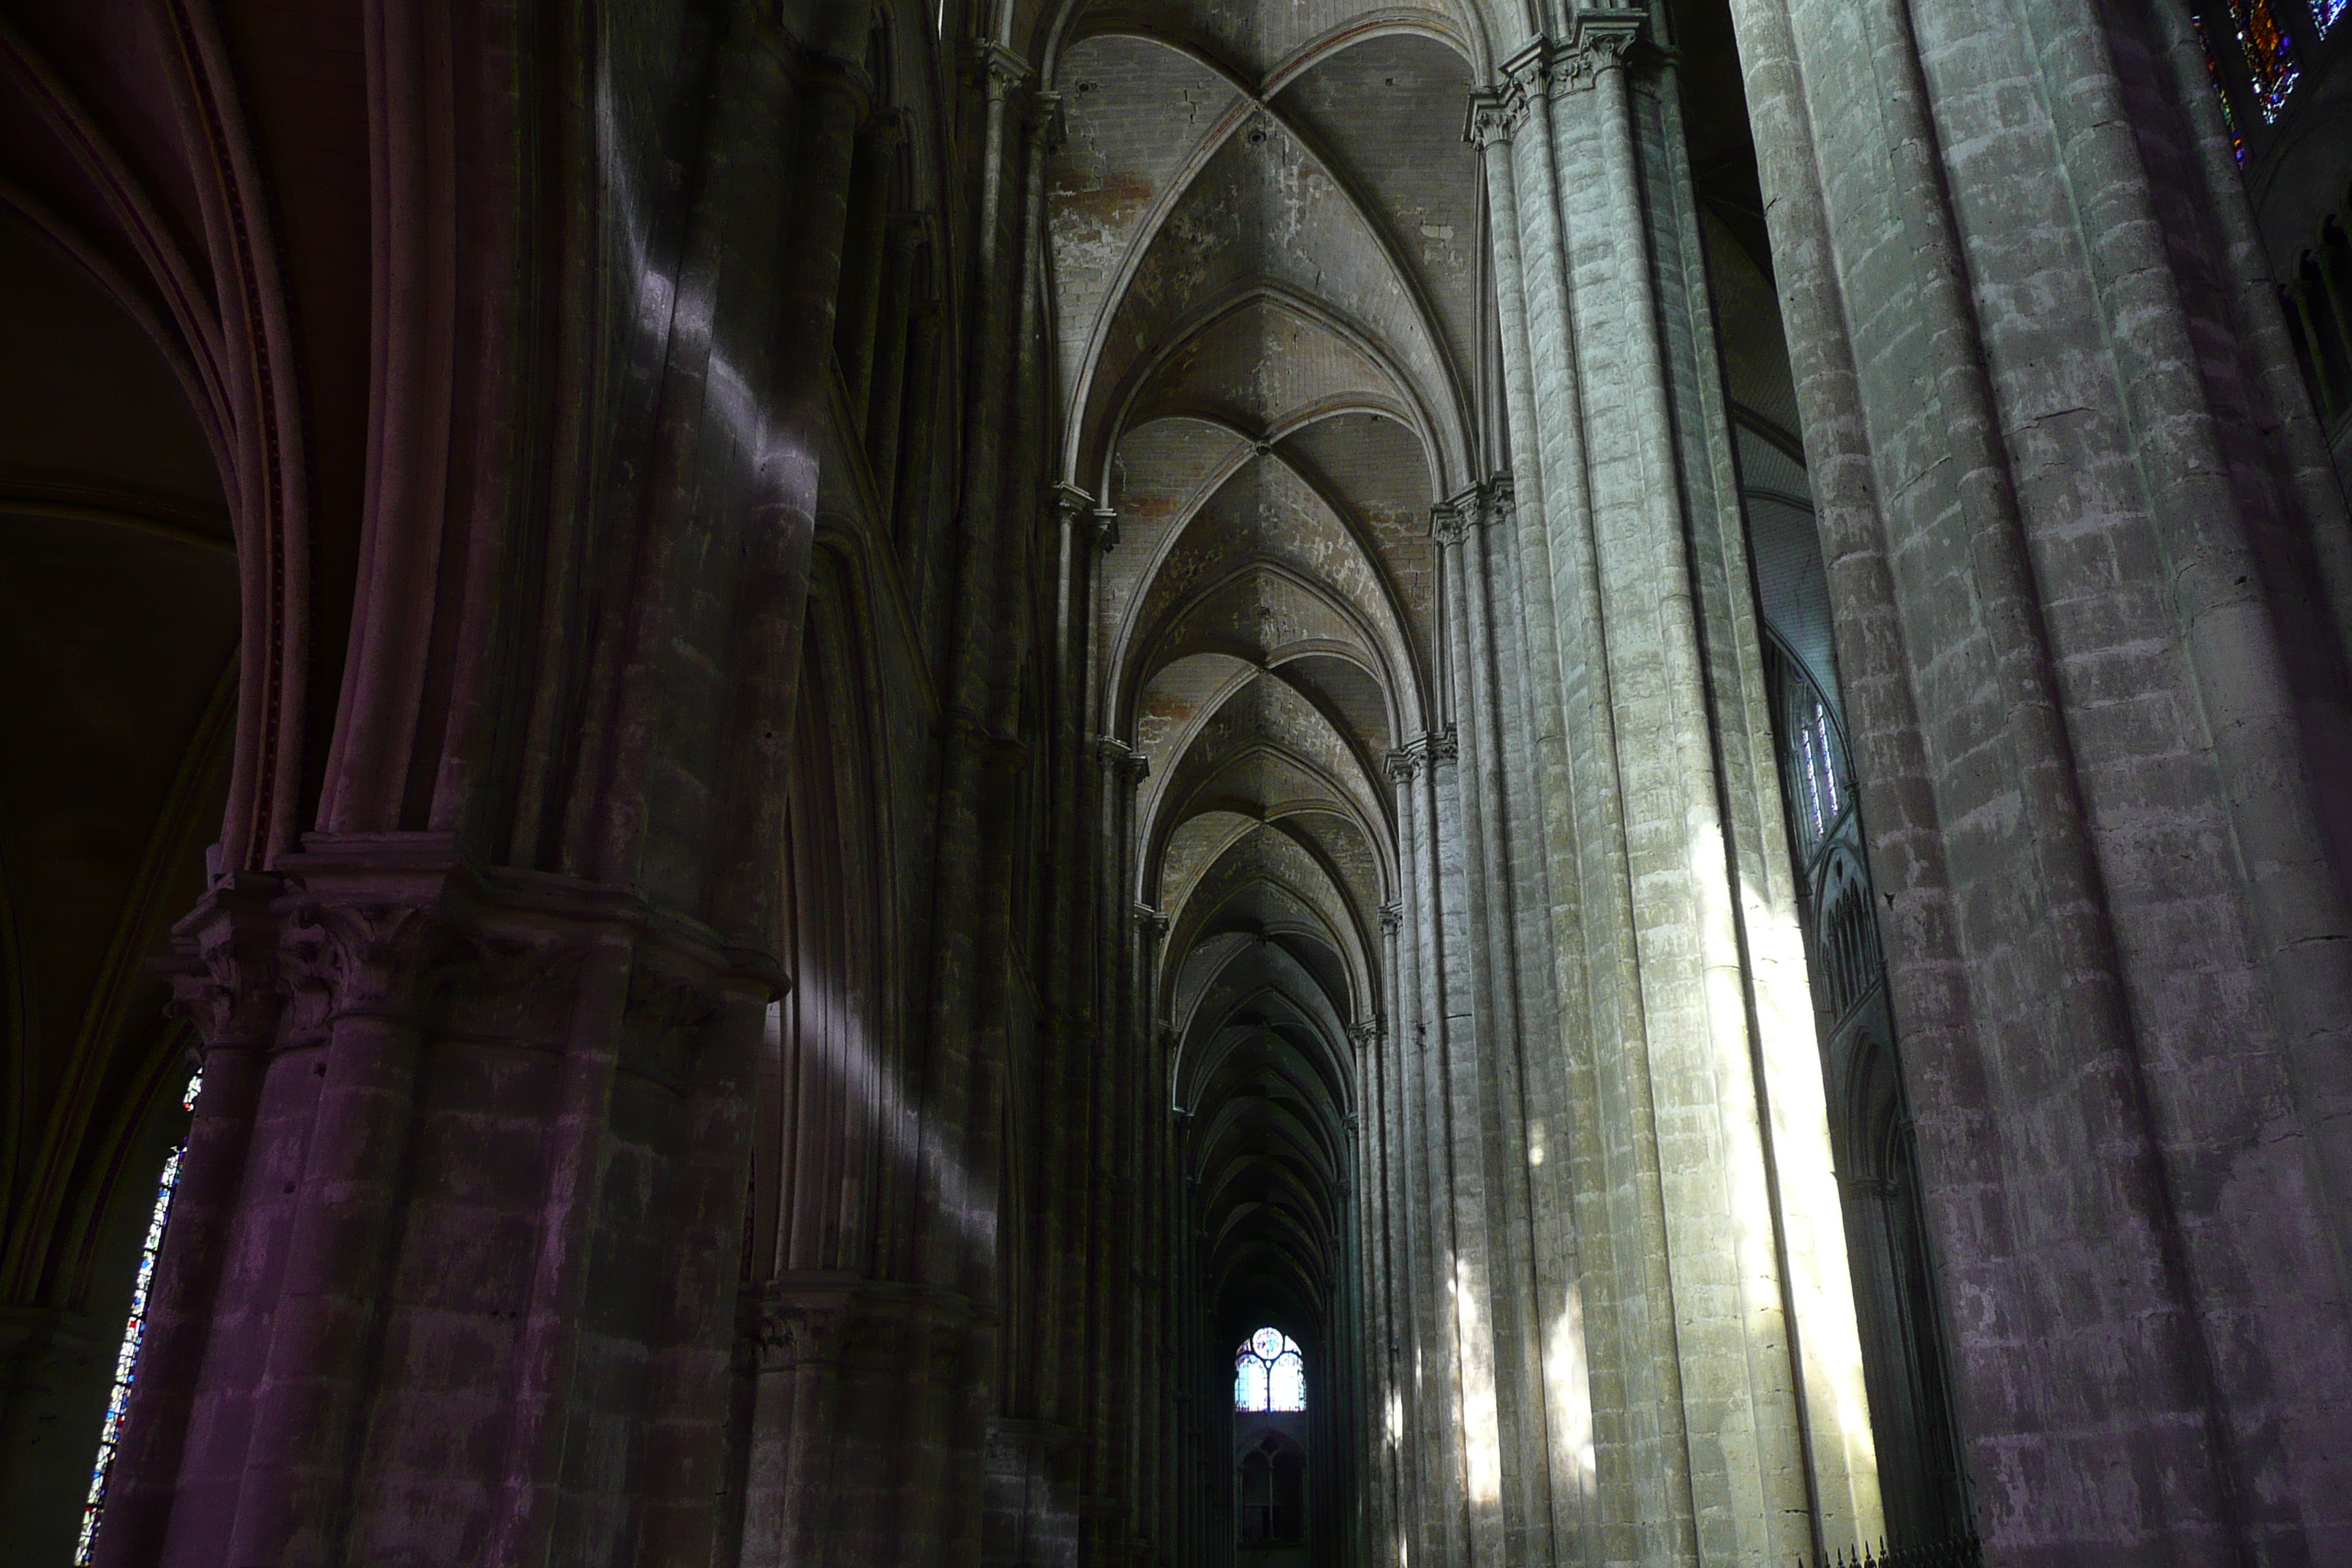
(1711, 1310)
(2085, 652)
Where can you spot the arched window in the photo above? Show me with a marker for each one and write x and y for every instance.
(1269, 1373)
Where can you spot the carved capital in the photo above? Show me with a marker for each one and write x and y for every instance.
(1522, 78)
(1001, 69)
(1069, 501)
(1403, 765)
(222, 970)
(1443, 746)
(1046, 113)
(1118, 757)
(791, 1334)
(1106, 520)
(1608, 37)
(1498, 502)
(362, 957)
(1156, 921)
(1450, 520)
(1391, 918)
(669, 1005)
(1496, 112)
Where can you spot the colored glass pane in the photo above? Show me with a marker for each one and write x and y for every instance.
(2329, 13)
(1287, 1386)
(2270, 54)
(1270, 1373)
(126, 1358)
(2220, 93)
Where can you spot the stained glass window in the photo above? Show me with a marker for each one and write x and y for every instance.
(2214, 74)
(1817, 772)
(1270, 1373)
(2329, 13)
(2270, 54)
(126, 1359)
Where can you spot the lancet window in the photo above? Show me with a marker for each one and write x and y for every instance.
(1269, 1373)
(2270, 54)
(126, 1358)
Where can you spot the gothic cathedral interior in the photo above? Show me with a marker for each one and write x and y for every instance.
(1175, 784)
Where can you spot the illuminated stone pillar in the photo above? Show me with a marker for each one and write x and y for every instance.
(1691, 1311)
(2088, 581)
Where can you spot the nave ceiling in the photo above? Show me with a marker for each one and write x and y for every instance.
(1267, 298)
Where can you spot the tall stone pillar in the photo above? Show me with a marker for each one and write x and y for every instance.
(2087, 585)
(1701, 1368)
(453, 1272)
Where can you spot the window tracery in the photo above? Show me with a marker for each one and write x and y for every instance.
(1269, 1373)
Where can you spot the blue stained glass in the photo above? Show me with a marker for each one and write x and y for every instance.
(2220, 93)
(2329, 13)
(1270, 1373)
(126, 1359)
(2270, 54)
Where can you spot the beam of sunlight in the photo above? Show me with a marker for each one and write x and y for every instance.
(1813, 1224)
(1482, 1442)
(1568, 1381)
(670, 312)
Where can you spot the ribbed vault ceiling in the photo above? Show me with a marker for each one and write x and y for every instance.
(1264, 239)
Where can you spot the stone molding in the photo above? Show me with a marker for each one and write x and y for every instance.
(1480, 505)
(403, 927)
(814, 1318)
(1598, 41)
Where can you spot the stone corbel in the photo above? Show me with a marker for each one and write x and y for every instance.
(1391, 918)
(1156, 921)
(1045, 115)
(1442, 745)
(1403, 764)
(1106, 529)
